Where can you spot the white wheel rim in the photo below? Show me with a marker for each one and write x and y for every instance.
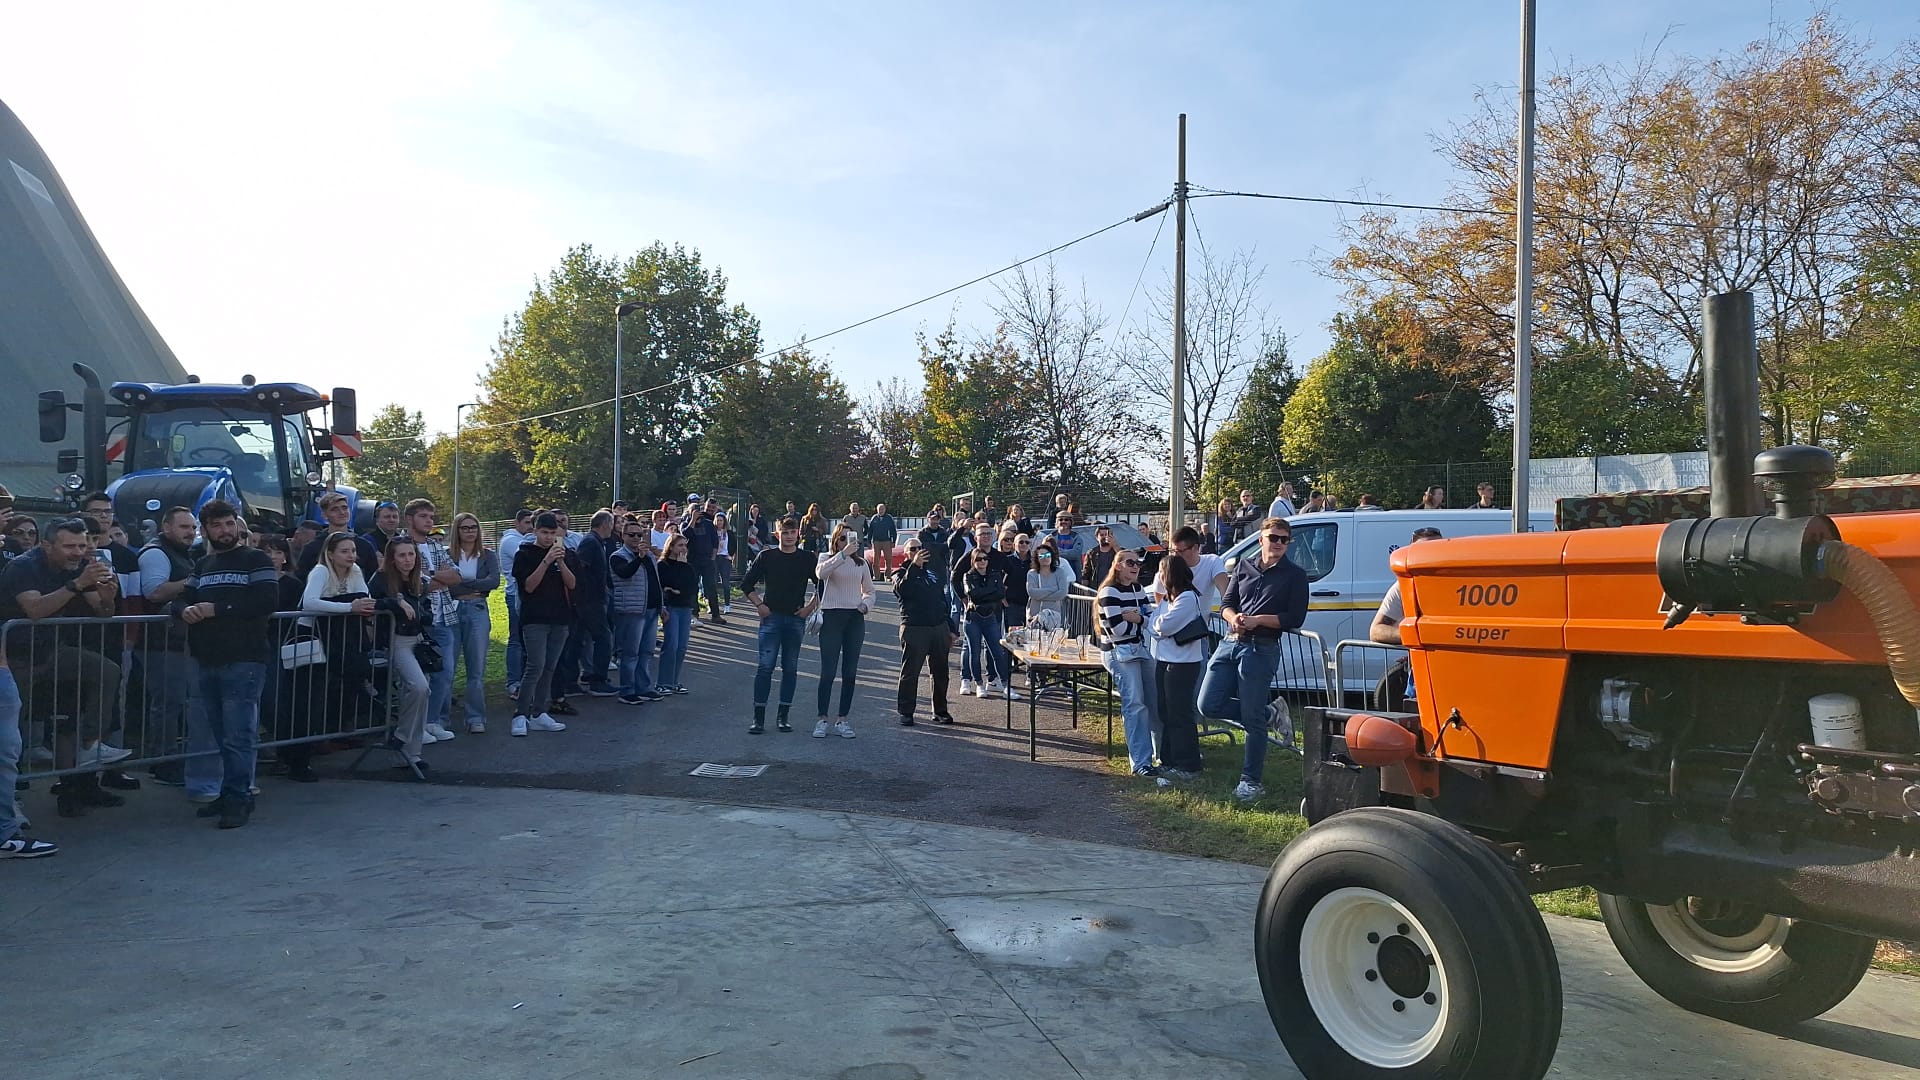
(1394, 1018)
(1714, 950)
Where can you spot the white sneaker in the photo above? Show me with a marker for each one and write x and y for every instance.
(545, 722)
(820, 728)
(1012, 694)
(981, 690)
(967, 687)
(843, 729)
(40, 755)
(519, 728)
(102, 754)
(1247, 791)
(726, 609)
(438, 733)
(476, 727)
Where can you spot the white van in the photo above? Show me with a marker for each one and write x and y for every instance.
(1346, 554)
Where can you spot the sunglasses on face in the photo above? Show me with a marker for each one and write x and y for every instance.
(1129, 562)
(1276, 538)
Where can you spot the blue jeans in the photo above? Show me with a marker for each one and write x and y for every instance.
(1237, 686)
(226, 712)
(842, 632)
(440, 683)
(980, 658)
(476, 638)
(516, 651)
(673, 649)
(1133, 680)
(779, 640)
(634, 642)
(10, 745)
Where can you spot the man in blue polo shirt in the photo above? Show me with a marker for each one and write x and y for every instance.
(1265, 597)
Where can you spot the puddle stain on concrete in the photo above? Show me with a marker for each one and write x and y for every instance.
(1061, 933)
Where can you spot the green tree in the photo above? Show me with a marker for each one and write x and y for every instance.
(492, 486)
(1371, 407)
(555, 360)
(895, 466)
(979, 422)
(1589, 402)
(1869, 399)
(394, 456)
(782, 428)
(1247, 451)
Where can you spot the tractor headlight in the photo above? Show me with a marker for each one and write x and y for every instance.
(314, 479)
(74, 482)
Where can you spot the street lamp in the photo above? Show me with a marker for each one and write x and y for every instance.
(619, 361)
(457, 412)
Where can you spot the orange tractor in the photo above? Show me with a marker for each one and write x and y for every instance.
(1712, 721)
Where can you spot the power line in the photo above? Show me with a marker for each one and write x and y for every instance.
(715, 369)
(1120, 327)
(1215, 193)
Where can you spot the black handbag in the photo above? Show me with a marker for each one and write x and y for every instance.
(428, 655)
(1193, 631)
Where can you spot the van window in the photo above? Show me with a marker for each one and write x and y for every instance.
(1312, 548)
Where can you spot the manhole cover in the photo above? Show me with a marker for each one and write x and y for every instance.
(728, 772)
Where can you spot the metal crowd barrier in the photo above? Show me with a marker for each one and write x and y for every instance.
(1361, 678)
(128, 681)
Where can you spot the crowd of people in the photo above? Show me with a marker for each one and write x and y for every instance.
(380, 623)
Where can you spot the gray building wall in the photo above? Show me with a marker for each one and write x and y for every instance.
(60, 302)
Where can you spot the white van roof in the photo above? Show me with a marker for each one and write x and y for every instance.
(1542, 521)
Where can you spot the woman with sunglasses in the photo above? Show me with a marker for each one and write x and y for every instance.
(1049, 579)
(473, 631)
(1122, 608)
(983, 592)
(23, 533)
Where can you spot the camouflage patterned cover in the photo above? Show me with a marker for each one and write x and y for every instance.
(1848, 495)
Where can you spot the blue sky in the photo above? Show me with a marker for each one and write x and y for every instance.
(359, 193)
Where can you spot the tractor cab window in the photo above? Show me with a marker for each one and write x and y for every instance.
(195, 438)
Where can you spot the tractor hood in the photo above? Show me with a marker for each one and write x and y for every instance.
(139, 499)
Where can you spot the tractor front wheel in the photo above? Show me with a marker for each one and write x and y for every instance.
(1735, 961)
(1394, 944)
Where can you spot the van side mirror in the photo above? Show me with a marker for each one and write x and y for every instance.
(346, 411)
(53, 417)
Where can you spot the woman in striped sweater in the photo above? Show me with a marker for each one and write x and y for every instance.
(1123, 607)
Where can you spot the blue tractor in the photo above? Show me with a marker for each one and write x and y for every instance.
(256, 445)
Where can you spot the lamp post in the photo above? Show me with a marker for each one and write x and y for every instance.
(457, 413)
(619, 361)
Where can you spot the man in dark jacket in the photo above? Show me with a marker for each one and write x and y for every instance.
(589, 650)
(925, 633)
(703, 541)
(226, 607)
(637, 601)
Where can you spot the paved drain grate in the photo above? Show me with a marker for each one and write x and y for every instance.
(728, 772)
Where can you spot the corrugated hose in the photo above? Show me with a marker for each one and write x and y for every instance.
(1894, 617)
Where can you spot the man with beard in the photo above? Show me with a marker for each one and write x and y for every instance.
(226, 606)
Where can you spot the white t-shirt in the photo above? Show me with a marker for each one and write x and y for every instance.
(1208, 568)
(510, 542)
(1391, 605)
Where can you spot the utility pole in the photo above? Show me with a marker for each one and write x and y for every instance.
(1523, 282)
(1176, 496)
(619, 362)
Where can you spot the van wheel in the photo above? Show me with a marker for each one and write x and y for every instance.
(1735, 961)
(1395, 944)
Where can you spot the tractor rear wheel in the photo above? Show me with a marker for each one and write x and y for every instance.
(1395, 944)
(1735, 961)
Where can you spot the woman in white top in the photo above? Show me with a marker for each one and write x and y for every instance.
(337, 574)
(336, 587)
(1048, 582)
(723, 560)
(846, 595)
(1121, 607)
(1177, 668)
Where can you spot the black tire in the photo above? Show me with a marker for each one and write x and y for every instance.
(1497, 980)
(1805, 970)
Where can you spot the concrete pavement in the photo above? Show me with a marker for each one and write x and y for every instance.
(437, 931)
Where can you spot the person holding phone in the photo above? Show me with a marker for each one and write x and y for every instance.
(846, 595)
(925, 633)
